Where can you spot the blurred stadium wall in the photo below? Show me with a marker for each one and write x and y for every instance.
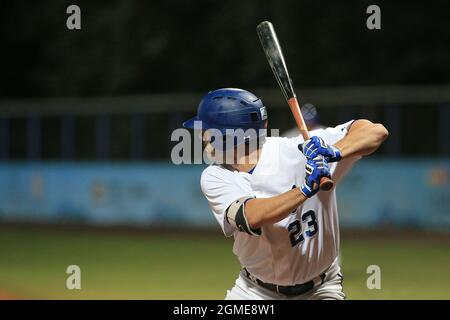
(100, 161)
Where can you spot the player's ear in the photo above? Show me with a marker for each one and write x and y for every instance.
(267, 128)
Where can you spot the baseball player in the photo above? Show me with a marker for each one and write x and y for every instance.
(286, 231)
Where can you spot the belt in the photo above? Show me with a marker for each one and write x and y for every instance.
(294, 290)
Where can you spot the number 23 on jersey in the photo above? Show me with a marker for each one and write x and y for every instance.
(296, 234)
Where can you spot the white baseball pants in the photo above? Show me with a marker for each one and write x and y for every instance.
(331, 289)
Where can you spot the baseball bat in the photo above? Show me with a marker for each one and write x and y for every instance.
(274, 55)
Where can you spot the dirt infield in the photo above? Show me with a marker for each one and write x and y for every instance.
(7, 296)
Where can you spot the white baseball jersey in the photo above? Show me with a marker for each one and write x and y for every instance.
(302, 245)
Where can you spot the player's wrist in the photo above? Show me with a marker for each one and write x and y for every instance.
(337, 154)
(307, 191)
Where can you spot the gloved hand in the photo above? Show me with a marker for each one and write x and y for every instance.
(316, 146)
(314, 170)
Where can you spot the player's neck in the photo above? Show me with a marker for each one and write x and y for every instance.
(248, 162)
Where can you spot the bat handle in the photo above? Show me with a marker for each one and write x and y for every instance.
(326, 183)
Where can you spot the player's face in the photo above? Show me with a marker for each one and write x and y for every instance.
(212, 153)
(242, 154)
(205, 136)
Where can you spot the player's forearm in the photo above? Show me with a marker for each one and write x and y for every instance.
(261, 211)
(362, 139)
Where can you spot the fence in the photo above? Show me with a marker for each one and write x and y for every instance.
(139, 127)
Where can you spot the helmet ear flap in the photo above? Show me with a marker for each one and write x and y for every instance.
(254, 116)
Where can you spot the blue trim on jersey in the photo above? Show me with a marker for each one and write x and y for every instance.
(251, 171)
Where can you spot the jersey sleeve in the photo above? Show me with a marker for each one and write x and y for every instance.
(332, 135)
(221, 193)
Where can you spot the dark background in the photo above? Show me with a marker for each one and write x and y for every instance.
(127, 47)
(146, 47)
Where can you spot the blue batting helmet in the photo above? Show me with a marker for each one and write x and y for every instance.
(230, 108)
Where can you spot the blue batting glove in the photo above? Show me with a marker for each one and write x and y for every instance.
(316, 146)
(315, 169)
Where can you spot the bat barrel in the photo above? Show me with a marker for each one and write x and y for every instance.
(274, 55)
(269, 42)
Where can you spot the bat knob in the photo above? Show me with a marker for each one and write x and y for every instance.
(326, 184)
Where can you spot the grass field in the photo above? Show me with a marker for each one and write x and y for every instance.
(186, 266)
